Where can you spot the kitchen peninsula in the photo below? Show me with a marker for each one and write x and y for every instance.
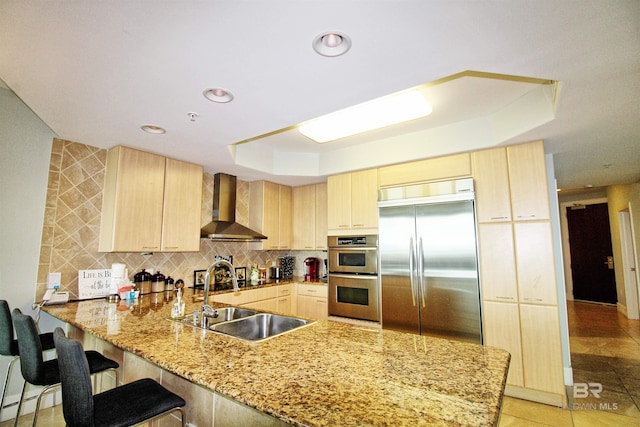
(324, 374)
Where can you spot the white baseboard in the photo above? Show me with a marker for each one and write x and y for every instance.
(568, 376)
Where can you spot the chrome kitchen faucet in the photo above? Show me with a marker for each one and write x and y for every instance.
(206, 308)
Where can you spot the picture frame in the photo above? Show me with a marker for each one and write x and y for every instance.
(241, 274)
(198, 278)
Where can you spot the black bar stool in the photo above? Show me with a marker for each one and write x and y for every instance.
(125, 405)
(9, 345)
(37, 371)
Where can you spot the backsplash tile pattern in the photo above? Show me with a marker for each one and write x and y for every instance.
(72, 226)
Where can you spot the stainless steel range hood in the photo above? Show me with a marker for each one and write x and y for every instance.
(224, 225)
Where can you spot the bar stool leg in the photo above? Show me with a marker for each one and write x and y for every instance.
(6, 382)
(24, 390)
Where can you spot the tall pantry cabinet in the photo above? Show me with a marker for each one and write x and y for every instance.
(517, 265)
(150, 203)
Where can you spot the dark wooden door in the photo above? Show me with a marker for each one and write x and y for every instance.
(591, 253)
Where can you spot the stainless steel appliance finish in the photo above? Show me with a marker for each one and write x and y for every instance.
(428, 260)
(353, 254)
(223, 226)
(354, 289)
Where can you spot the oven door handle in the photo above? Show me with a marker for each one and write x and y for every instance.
(412, 256)
(354, 276)
(356, 249)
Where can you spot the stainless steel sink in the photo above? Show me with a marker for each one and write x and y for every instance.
(226, 314)
(220, 315)
(247, 324)
(259, 327)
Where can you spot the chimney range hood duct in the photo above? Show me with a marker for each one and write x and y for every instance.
(224, 225)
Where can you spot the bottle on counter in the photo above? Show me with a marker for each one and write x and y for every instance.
(254, 276)
(177, 310)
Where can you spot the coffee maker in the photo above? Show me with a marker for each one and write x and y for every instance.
(311, 269)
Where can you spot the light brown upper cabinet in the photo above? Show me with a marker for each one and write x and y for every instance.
(182, 201)
(491, 181)
(309, 217)
(528, 180)
(458, 165)
(150, 203)
(270, 214)
(353, 201)
(321, 216)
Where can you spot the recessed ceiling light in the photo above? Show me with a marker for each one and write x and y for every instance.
(217, 94)
(331, 43)
(375, 114)
(153, 129)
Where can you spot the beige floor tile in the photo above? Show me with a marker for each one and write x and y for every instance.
(536, 412)
(509, 421)
(602, 418)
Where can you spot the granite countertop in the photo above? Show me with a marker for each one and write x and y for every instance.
(325, 374)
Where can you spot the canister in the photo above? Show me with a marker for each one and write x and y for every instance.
(168, 284)
(157, 282)
(142, 282)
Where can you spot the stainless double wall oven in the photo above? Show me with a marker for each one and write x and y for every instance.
(353, 277)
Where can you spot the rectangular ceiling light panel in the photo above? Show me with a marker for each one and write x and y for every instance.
(370, 115)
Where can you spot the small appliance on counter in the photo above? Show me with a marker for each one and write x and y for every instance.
(311, 269)
(275, 273)
(324, 277)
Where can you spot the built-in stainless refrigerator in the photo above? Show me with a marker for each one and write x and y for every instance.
(428, 260)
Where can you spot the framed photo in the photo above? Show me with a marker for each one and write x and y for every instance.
(198, 278)
(241, 274)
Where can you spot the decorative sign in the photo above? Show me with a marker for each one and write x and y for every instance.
(93, 283)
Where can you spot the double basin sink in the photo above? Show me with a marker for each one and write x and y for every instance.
(246, 324)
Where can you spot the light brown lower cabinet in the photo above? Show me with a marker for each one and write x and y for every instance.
(541, 348)
(312, 301)
(205, 408)
(297, 299)
(502, 330)
(531, 333)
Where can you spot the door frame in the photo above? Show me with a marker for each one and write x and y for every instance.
(629, 267)
(566, 247)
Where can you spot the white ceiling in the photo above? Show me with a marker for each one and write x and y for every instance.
(96, 71)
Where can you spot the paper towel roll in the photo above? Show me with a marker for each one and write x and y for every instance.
(118, 270)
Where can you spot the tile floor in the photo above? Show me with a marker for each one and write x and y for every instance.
(605, 349)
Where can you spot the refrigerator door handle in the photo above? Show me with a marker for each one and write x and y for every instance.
(421, 281)
(412, 255)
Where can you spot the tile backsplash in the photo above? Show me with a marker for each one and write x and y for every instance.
(72, 226)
